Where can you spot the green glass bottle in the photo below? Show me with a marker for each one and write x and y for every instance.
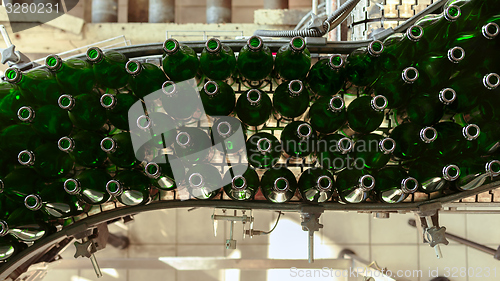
(160, 172)
(157, 126)
(28, 226)
(120, 150)
(472, 87)
(278, 185)
(328, 114)
(427, 109)
(242, 182)
(254, 107)
(129, 187)
(412, 140)
(362, 64)
(182, 101)
(228, 135)
(452, 139)
(217, 60)
(365, 114)
(11, 99)
(53, 203)
(476, 172)
(473, 12)
(290, 100)
(433, 175)
(489, 139)
(18, 137)
(479, 46)
(354, 185)
(10, 247)
(333, 151)
(203, 181)
(293, 60)
(47, 160)
(316, 185)
(263, 150)
(393, 184)
(402, 50)
(298, 139)
(438, 67)
(485, 111)
(145, 78)
(327, 76)
(84, 148)
(218, 98)
(50, 121)
(75, 76)
(18, 184)
(193, 145)
(109, 67)
(89, 186)
(439, 28)
(397, 86)
(38, 85)
(179, 61)
(255, 60)
(85, 110)
(373, 150)
(117, 108)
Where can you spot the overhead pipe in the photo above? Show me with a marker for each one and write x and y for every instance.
(104, 11)
(276, 4)
(161, 11)
(218, 11)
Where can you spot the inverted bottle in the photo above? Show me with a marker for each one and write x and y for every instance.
(402, 50)
(328, 114)
(373, 150)
(255, 60)
(437, 68)
(19, 137)
(393, 184)
(117, 107)
(263, 150)
(109, 67)
(158, 127)
(217, 60)
(439, 28)
(203, 181)
(74, 75)
(476, 172)
(365, 114)
(412, 140)
(327, 76)
(228, 135)
(316, 185)
(193, 145)
(333, 151)
(89, 186)
(145, 78)
(84, 111)
(218, 98)
(243, 182)
(298, 139)
(47, 160)
(84, 147)
(120, 150)
(37, 85)
(129, 187)
(397, 86)
(427, 109)
(50, 121)
(433, 175)
(293, 60)
(472, 87)
(179, 61)
(160, 172)
(254, 107)
(354, 185)
(278, 185)
(11, 99)
(362, 64)
(290, 100)
(453, 140)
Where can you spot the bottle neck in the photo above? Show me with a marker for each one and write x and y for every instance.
(133, 67)
(451, 172)
(26, 114)
(4, 228)
(491, 81)
(304, 131)
(414, 33)
(196, 180)
(211, 88)
(345, 145)
(66, 102)
(324, 183)
(254, 97)
(183, 139)
(493, 168)
(109, 145)
(336, 104)
(366, 182)
(238, 183)
(410, 75)
(456, 54)
(452, 13)
(114, 188)
(255, 43)
(471, 132)
(409, 185)
(264, 145)
(53, 62)
(144, 122)
(33, 202)
(213, 46)
(335, 62)
(72, 186)
(428, 134)
(297, 44)
(169, 88)
(66, 144)
(387, 145)
(108, 101)
(224, 129)
(13, 75)
(171, 46)
(152, 170)
(95, 55)
(490, 30)
(281, 185)
(375, 48)
(379, 103)
(295, 88)
(26, 158)
(447, 96)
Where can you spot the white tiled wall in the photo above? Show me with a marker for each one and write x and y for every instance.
(392, 243)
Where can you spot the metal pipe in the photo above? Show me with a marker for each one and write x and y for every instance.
(218, 11)
(161, 11)
(104, 11)
(315, 7)
(276, 4)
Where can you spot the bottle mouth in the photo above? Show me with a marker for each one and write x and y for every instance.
(13, 75)
(281, 184)
(255, 43)
(335, 61)
(387, 145)
(239, 182)
(493, 168)
(183, 139)
(379, 103)
(428, 134)
(490, 30)
(168, 88)
(452, 13)
(26, 158)
(26, 114)
(295, 87)
(254, 96)
(170, 46)
(72, 186)
(108, 145)
(297, 44)
(152, 170)
(53, 62)
(491, 81)
(451, 172)
(66, 102)
(410, 75)
(224, 129)
(471, 132)
(2, 186)
(66, 144)
(195, 180)
(114, 188)
(213, 45)
(264, 145)
(409, 185)
(33, 202)
(324, 183)
(133, 67)
(304, 131)
(94, 54)
(4, 228)
(143, 122)
(456, 54)
(376, 48)
(345, 145)
(415, 33)
(336, 104)
(108, 101)
(447, 96)
(366, 182)
(211, 88)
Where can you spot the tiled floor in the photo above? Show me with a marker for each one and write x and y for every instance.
(392, 243)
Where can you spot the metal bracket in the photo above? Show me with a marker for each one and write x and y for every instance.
(11, 56)
(92, 243)
(431, 231)
(310, 222)
(231, 243)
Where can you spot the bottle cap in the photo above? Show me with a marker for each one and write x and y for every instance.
(26, 114)
(66, 102)
(281, 184)
(324, 183)
(490, 30)
(108, 145)
(254, 43)
(26, 158)
(108, 101)
(72, 186)
(409, 185)
(456, 54)
(114, 188)
(366, 182)
(491, 81)
(379, 103)
(238, 183)
(376, 48)
(451, 172)
(195, 180)
(183, 139)
(33, 202)
(428, 134)
(152, 170)
(410, 75)
(295, 87)
(66, 144)
(452, 13)
(297, 44)
(471, 132)
(254, 96)
(335, 61)
(264, 145)
(387, 145)
(13, 75)
(415, 33)
(213, 45)
(336, 104)
(447, 96)
(224, 129)
(211, 88)
(133, 67)
(94, 54)
(53, 62)
(4, 228)
(493, 168)
(170, 46)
